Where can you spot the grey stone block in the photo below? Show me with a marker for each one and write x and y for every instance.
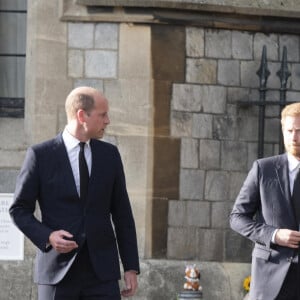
(236, 182)
(201, 71)
(177, 213)
(181, 124)
(202, 126)
(247, 129)
(272, 130)
(194, 42)
(229, 72)
(182, 243)
(292, 44)
(217, 185)
(225, 127)
(235, 94)
(220, 214)
(237, 247)
(242, 45)
(209, 154)
(75, 63)
(218, 43)
(8, 180)
(213, 99)
(191, 184)
(101, 64)
(248, 74)
(189, 153)
(81, 35)
(198, 214)
(234, 156)
(271, 43)
(295, 77)
(186, 97)
(210, 244)
(106, 36)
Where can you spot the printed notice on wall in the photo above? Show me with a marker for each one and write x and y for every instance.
(11, 239)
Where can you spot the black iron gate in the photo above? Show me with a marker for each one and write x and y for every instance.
(263, 73)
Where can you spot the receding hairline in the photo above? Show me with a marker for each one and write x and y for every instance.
(75, 99)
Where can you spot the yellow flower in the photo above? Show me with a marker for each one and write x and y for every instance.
(246, 283)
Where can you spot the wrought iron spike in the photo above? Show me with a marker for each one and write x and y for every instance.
(263, 71)
(283, 73)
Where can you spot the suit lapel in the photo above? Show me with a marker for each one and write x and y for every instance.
(64, 164)
(282, 170)
(283, 176)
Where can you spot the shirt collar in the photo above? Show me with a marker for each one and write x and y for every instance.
(293, 162)
(70, 141)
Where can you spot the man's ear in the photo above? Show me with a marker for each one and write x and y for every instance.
(81, 114)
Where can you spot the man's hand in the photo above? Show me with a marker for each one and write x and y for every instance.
(131, 284)
(288, 238)
(61, 241)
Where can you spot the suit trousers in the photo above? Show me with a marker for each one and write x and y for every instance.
(290, 286)
(81, 283)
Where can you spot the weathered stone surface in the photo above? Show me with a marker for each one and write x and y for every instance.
(209, 154)
(194, 42)
(220, 214)
(270, 41)
(101, 64)
(81, 35)
(75, 63)
(107, 36)
(201, 71)
(218, 44)
(191, 184)
(233, 156)
(242, 45)
(159, 279)
(217, 185)
(187, 97)
(202, 126)
(181, 124)
(229, 72)
(189, 153)
(8, 180)
(134, 52)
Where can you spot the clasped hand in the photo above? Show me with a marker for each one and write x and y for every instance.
(288, 238)
(62, 242)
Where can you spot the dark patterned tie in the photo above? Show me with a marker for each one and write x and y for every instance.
(83, 173)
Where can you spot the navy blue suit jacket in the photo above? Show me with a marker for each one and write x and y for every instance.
(105, 221)
(263, 205)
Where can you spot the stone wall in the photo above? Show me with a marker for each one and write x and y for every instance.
(219, 136)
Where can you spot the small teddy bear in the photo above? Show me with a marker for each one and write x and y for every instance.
(192, 276)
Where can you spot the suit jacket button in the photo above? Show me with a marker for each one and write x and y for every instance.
(83, 235)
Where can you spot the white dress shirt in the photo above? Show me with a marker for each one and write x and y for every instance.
(72, 146)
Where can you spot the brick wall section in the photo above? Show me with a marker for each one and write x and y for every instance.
(219, 137)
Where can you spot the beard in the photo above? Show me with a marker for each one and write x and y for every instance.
(293, 150)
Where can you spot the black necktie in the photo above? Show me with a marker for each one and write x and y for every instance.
(83, 173)
(296, 196)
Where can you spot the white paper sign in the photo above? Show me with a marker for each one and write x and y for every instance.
(11, 238)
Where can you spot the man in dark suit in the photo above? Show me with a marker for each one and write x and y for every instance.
(86, 220)
(266, 212)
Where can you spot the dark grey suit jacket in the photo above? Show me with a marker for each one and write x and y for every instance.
(266, 196)
(46, 176)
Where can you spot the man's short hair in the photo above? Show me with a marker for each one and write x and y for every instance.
(78, 101)
(291, 110)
